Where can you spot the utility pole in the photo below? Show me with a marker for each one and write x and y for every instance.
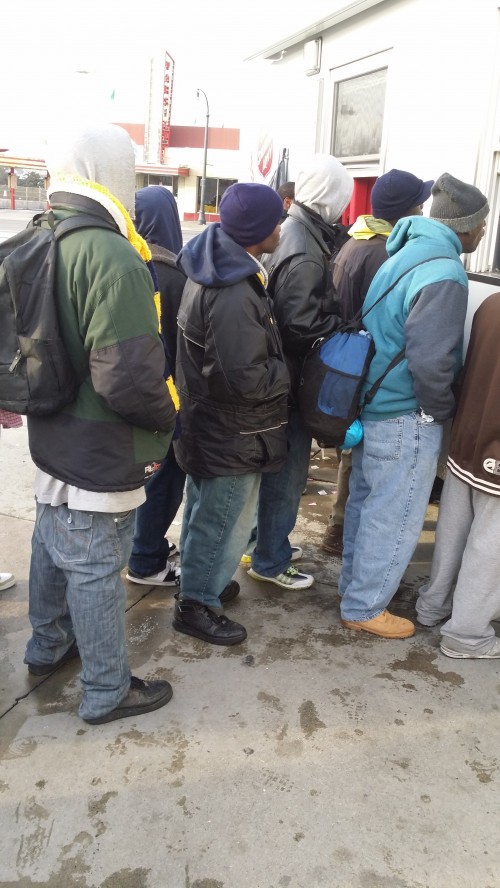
(201, 217)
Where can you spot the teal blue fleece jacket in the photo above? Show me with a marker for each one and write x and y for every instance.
(424, 313)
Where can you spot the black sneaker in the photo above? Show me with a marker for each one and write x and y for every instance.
(46, 668)
(195, 619)
(229, 592)
(143, 696)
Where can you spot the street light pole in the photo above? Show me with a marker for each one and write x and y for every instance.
(201, 217)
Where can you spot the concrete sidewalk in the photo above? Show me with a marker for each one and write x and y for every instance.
(305, 757)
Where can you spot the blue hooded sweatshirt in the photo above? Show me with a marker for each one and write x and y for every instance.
(157, 217)
(424, 313)
(214, 259)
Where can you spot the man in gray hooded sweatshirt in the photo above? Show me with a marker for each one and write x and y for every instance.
(306, 307)
(94, 456)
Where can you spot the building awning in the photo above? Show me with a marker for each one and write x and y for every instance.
(160, 169)
(22, 163)
(30, 163)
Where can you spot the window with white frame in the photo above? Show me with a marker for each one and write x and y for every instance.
(358, 116)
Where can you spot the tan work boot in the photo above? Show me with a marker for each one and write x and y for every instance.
(385, 625)
(333, 540)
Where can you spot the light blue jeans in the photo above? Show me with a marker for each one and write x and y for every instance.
(279, 501)
(217, 522)
(75, 590)
(393, 470)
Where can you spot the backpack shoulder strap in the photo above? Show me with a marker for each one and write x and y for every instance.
(370, 394)
(82, 220)
(396, 282)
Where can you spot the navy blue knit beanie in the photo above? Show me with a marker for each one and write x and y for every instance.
(250, 212)
(396, 192)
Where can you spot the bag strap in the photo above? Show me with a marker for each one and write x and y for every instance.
(65, 200)
(82, 220)
(370, 394)
(360, 316)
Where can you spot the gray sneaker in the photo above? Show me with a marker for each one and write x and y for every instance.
(291, 578)
(492, 654)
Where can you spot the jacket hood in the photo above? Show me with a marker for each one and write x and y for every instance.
(366, 227)
(324, 185)
(157, 217)
(214, 259)
(412, 228)
(100, 154)
(322, 231)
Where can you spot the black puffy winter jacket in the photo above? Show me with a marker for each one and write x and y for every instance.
(231, 374)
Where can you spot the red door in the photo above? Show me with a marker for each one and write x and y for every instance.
(360, 204)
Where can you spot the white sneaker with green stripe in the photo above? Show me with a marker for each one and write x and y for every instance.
(291, 578)
(296, 555)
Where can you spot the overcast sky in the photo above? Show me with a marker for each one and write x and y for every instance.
(48, 43)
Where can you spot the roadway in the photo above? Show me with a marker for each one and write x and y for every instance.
(307, 757)
(12, 221)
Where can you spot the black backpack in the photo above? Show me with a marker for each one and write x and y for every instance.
(36, 373)
(334, 372)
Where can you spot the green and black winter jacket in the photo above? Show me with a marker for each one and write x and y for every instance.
(120, 425)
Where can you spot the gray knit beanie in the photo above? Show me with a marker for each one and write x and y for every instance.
(459, 206)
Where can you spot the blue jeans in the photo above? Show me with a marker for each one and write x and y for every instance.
(164, 493)
(279, 501)
(218, 518)
(75, 590)
(393, 470)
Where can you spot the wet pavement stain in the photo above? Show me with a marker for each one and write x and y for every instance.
(95, 808)
(277, 781)
(98, 806)
(484, 772)
(206, 883)
(309, 721)
(304, 645)
(36, 825)
(288, 748)
(269, 701)
(119, 746)
(127, 878)
(371, 879)
(182, 803)
(421, 661)
(70, 875)
(181, 744)
(343, 854)
(403, 763)
(178, 648)
(82, 838)
(20, 748)
(200, 883)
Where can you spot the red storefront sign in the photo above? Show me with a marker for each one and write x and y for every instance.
(265, 154)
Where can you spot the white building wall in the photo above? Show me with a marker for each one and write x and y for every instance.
(441, 108)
